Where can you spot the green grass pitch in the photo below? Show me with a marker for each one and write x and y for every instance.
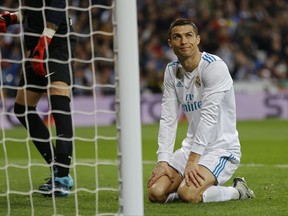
(264, 165)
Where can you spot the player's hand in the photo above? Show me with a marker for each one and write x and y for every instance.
(3, 25)
(160, 170)
(6, 19)
(192, 174)
(39, 54)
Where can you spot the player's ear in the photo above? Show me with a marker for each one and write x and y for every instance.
(170, 42)
(198, 39)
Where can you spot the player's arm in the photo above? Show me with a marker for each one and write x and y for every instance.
(167, 130)
(217, 80)
(53, 20)
(10, 18)
(169, 117)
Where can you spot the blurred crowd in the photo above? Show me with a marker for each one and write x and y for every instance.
(251, 36)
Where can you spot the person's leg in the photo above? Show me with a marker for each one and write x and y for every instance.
(194, 194)
(239, 190)
(59, 85)
(59, 94)
(25, 111)
(60, 107)
(223, 167)
(220, 194)
(163, 187)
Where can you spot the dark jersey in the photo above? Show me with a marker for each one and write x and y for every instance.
(36, 16)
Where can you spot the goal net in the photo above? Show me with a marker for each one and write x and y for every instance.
(107, 161)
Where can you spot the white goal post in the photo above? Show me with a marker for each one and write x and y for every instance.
(127, 65)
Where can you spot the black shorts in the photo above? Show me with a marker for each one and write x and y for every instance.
(59, 66)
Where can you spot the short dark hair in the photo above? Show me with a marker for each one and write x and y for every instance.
(180, 22)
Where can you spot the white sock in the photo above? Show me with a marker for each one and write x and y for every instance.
(220, 193)
(171, 197)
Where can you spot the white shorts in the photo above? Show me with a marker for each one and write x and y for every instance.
(222, 165)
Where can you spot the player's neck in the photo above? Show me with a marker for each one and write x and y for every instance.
(191, 63)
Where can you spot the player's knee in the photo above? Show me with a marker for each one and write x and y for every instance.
(188, 195)
(19, 111)
(157, 194)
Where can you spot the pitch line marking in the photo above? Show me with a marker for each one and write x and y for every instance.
(115, 162)
(244, 165)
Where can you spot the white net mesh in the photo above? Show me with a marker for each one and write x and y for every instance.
(94, 166)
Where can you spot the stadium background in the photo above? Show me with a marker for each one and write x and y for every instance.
(250, 36)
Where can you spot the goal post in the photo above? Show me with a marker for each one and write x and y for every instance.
(130, 148)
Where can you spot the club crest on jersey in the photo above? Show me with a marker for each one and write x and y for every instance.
(197, 81)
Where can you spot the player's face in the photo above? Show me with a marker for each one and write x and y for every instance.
(184, 41)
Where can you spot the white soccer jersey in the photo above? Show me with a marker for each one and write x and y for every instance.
(206, 96)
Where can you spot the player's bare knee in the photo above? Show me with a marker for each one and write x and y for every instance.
(156, 199)
(156, 194)
(189, 196)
